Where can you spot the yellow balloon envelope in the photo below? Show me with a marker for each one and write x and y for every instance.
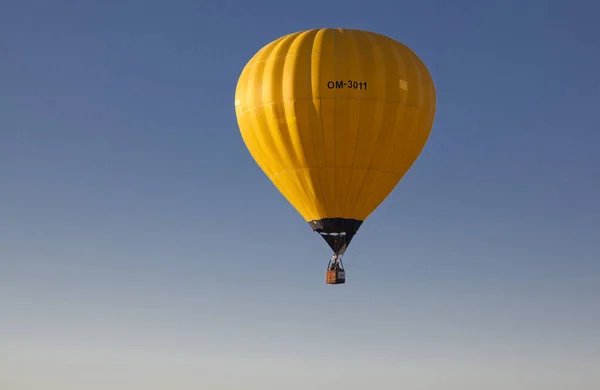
(335, 118)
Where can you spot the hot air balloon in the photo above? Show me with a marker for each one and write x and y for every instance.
(335, 118)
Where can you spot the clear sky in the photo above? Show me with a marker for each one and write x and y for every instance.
(141, 247)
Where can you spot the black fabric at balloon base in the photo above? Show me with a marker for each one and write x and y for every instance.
(337, 232)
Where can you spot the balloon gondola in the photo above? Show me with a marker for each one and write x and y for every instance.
(335, 118)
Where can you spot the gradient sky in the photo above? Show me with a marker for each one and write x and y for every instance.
(141, 247)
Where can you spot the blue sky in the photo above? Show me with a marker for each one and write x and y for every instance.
(142, 248)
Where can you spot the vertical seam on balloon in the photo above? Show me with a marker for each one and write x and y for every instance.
(399, 145)
(293, 180)
(256, 142)
(360, 67)
(281, 129)
(384, 191)
(256, 74)
(311, 172)
(348, 111)
(322, 128)
(397, 66)
(345, 173)
(362, 184)
(297, 182)
(274, 153)
(307, 183)
(334, 62)
(322, 207)
(385, 94)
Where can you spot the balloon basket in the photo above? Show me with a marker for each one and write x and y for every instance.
(335, 273)
(335, 277)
